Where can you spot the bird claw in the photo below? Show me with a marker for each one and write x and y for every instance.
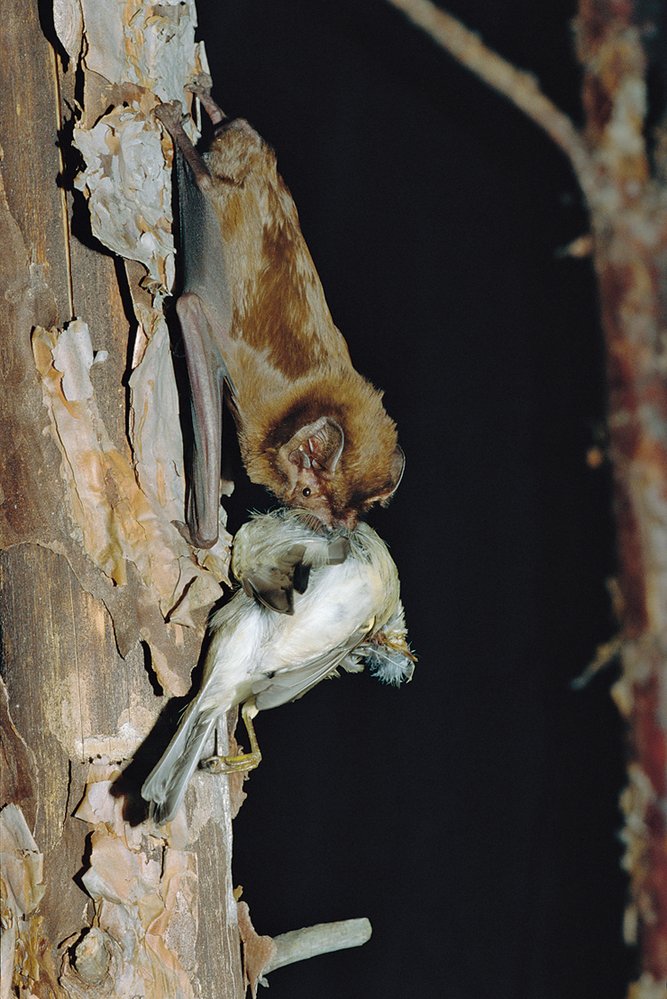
(242, 762)
(231, 764)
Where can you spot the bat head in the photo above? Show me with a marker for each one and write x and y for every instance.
(309, 460)
(313, 463)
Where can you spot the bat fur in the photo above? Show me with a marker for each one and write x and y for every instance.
(311, 429)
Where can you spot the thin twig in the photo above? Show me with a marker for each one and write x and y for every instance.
(516, 85)
(605, 654)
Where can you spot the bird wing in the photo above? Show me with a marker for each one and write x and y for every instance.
(273, 585)
(290, 684)
(274, 582)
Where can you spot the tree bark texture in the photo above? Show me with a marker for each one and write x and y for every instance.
(102, 603)
(629, 223)
(622, 172)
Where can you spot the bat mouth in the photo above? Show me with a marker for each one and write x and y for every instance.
(314, 522)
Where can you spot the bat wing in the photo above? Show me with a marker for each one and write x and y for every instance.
(204, 311)
(290, 684)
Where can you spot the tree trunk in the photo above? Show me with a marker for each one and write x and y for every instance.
(102, 603)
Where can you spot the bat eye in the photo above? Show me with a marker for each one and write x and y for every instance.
(306, 491)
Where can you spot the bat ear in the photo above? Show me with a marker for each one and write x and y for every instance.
(317, 446)
(397, 469)
(396, 474)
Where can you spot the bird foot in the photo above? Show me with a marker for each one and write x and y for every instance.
(242, 762)
(231, 764)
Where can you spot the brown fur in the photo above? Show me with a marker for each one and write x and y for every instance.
(288, 362)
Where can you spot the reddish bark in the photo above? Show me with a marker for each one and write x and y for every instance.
(630, 247)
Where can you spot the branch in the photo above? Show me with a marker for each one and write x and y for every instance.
(298, 945)
(518, 86)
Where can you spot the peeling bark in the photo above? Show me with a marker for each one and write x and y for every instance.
(101, 598)
(22, 889)
(102, 601)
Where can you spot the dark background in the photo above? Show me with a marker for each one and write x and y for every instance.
(472, 815)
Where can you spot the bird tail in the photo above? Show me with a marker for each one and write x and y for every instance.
(166, 784)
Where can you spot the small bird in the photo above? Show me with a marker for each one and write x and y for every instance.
(277, 638)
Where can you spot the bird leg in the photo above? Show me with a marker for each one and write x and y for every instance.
(244, 761)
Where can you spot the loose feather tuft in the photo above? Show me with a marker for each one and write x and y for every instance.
(390, 665)
(388, 655)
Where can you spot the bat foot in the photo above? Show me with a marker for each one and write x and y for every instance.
(171, 115)
(201, 83)
(201, 88)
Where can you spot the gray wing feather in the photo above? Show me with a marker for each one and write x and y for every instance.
(165, 786)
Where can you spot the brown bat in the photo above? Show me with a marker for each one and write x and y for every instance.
(255, 321)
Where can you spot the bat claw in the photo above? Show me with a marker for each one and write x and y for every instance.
(201, 84)
(201, 87)
(184, 531)
(170, 113)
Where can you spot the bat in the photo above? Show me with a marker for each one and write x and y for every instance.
(349, 616)
(258, 334)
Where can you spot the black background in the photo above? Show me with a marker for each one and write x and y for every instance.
(472, 815)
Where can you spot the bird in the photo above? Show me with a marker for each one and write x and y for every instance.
(276, 638)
